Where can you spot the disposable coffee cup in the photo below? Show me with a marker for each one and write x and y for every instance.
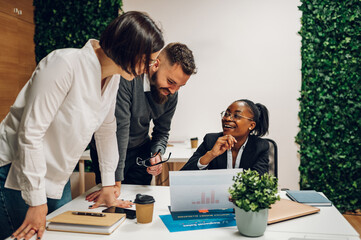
(194, 142)
(144, 205)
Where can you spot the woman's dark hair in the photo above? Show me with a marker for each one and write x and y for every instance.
(260, 116)
(130, 36)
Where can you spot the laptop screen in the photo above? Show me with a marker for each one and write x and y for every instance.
(198, 190)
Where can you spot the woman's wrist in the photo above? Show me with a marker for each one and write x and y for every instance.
(207, 158)
(107, 189)
(211, 154)
(118, 184)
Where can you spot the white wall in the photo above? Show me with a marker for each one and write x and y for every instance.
(243, 49)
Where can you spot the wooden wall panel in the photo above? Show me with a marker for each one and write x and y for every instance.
(17, 58)
(7, 6)
(26, 52)
(21, 9)
(27, 8)
(9, 80)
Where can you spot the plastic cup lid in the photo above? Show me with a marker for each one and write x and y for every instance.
(143, 199)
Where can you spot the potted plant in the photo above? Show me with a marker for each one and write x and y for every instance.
(252, 196)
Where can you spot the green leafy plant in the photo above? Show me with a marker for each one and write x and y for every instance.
(330, 102)
(252, 192)
(64, 24)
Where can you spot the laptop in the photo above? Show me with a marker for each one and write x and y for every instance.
(286, 209)
(201, 190)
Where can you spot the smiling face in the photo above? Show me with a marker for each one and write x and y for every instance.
(166, 79)
(237, 121)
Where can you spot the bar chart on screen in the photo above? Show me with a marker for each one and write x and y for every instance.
(207, 200)
(199, 197)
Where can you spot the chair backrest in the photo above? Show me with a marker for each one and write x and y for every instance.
(273, 158)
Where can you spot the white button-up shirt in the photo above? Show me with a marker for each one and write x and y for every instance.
(53, 120)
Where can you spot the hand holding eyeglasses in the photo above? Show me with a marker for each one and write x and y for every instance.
(153, 164)
(156, 169)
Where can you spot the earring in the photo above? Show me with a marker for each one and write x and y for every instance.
(250, 129)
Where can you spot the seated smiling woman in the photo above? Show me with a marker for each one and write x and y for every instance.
(239, 145)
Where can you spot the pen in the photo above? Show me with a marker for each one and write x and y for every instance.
(89, 214)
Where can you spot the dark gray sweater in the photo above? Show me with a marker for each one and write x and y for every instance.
(134, 110)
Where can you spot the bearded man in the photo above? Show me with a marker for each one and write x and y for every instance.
(148, 97)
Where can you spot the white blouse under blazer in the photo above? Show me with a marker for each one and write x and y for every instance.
(53, 120)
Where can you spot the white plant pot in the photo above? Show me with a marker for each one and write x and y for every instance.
(251, 224)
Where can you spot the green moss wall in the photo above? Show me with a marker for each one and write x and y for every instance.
(330, 102)
(64, 24)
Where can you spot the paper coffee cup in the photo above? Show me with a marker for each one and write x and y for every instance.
(194, 142)
(144, 205)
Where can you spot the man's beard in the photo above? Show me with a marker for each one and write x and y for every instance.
(156, 94)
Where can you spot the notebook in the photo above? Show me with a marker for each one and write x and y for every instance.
(286, 209)
(310, 197)
(68, 222)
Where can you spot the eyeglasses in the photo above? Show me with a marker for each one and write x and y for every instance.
(152, 62)
(235, 116)
(146, 162)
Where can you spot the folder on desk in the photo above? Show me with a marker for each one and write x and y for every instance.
(286, 209)
(68, 222)
(310, 197)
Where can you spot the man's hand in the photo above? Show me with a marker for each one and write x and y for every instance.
(34, 223)
(156, 170)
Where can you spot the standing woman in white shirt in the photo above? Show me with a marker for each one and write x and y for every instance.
(70, 96)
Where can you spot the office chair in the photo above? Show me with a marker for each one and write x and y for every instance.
(273, 157)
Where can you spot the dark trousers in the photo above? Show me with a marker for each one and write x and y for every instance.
(13, 208)
(133, 174)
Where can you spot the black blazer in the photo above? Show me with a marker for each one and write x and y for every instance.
(254, 157)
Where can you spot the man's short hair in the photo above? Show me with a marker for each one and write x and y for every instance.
(179, 53)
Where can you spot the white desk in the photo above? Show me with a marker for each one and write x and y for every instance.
(328, 224)
(181, 151)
